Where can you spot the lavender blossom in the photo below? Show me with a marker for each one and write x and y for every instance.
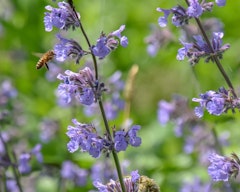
(165, 110)
(74, 173)
(222, 168)
(105, 44)
(216, 103)
(63, 17)
(85, 137)
(68, 48)
(81, 85)
(181, 15)
(23, 163)
(200, 49)
(123, 138)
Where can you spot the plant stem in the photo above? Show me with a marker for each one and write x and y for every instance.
(115, 156)
(214, 57)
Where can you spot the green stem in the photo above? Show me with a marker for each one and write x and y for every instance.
(214, 57)
(115, 156)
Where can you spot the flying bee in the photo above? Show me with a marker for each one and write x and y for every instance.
(46, 57)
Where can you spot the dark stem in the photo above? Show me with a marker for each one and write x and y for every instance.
(214, 57)
(86, 38)
(12, 164)
(115, 156)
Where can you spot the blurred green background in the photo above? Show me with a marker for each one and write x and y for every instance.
(161, 154)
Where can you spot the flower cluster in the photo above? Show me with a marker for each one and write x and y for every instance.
(182, 15)
(81, 85)
(222, 168)
(200, 49)
(85, 137)
(24, 159)
(105, 44)
(68, 48)
(216, 102)
(72, 172)
(63, 17)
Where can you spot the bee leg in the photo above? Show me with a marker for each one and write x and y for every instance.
(47, 66)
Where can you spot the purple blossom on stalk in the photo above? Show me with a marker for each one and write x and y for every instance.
(85, 137)
(182, 15)
(216, 103)
(81, 85)
(106, 44)
(72, 172)
(68, 48)
(63, 17)
(222, 168)
(200, 49)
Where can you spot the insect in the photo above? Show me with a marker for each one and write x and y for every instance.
(46, 57)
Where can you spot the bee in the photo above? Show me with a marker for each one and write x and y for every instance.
(46, 57)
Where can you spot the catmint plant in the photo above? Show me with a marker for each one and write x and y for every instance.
(217, 103)
(86, 88)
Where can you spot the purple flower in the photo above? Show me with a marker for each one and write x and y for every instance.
(63, 17)
(123, 138)
(216, 103)
(222, 168)
(162, 21)
(135, 176)
(72, 172)
(195, 9)
(200, 49)
(105, 44)
(81, 85)
(68, 48)
(23, 163)
(220, 3)
(165, 110)
(120, 143)
(36, 151)
(84, 136)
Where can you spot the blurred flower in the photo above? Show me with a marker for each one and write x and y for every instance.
(220, 2)
(68, 48)
(63, 17)
(198, 49)
(157, 39)
(23, 163)
(222, 168)
(7, 91)
(48, 130)
(195, 184)
(105, 44)
(216, 103)
(24, 159)
(81, 85)
(72, 172)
